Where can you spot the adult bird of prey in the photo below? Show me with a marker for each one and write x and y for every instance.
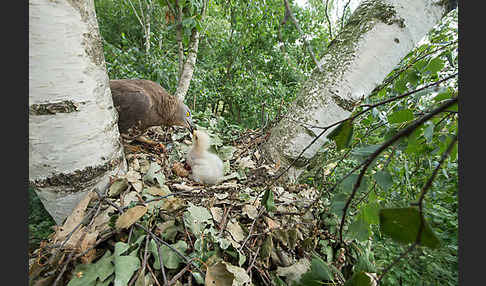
(143, 103)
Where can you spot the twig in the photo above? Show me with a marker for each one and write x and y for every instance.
(328, 22)
(172, 248)
(404, 132)
(344, 13)
(309, 47)
(161, 262)
(153, 275)
(425, 189)
(178, 275)
(260, 212)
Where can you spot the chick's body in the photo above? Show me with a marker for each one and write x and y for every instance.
(207, 168)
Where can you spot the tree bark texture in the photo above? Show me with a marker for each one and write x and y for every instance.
(74, 142)
(190, 61)
(375, 39)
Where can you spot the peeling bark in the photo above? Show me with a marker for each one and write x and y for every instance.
(74, 142)
(356, 61)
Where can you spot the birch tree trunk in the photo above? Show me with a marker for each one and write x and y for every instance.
(188, 67)
(74, 142)
(378, 35)
(187, 70)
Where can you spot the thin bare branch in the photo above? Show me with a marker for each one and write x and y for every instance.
(426, 187)
(302, 35)
(404, 132)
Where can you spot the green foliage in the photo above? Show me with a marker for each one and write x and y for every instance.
(403, 224)
(319, 272)
(40, 221)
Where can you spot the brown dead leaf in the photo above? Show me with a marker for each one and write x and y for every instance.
(182, 187)
(217, 214)
(131, 216)
(89, 256)
(179, 170)
(271, 223)
(218, 275)
(156, 191)
(74, 219)
(89, 240)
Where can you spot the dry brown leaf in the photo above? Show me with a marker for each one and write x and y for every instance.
(182, 187)
(217, 214)
(157, 191)
(89, 240)
(133, 176)
(138, 186)
(131, 216)
(89, 256)
(250, 210)
(235, 230)
(217, 275)
(179, 170)
(271, 223)
(74, 219)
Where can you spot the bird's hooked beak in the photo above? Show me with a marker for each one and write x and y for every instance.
(190, 125)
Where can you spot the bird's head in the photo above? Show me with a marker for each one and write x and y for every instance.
(200, 140)
(184, 117)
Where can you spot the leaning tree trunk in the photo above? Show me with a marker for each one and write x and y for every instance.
(74, 142)
(378, 35)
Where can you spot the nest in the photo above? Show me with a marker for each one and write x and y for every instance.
(154, 226)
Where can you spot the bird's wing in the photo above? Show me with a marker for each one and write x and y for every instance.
(132, 105)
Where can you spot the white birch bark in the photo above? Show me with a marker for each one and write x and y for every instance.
(188, 67)
(378, 35)
(73, 136)
(187, 70)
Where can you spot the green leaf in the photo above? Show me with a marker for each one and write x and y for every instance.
(365, 151)
(338, 202)
(347, 184)
(400, 116)
(226, 152)
(320, 270)
(453, 107)
(154, 174)
(170, 258)
(360, 229)
(383, 179)
(443, 96)
(415, 145)
(435, 65)
(84, 274)
(104, 266)
(429, 132)
(413, 77)
(87, 274)
(359, 279)
(370, 213)
(402, 225)
(268, 200)
(342, 134)
(196, 219)
(125, 265)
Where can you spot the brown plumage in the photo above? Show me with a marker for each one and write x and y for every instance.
(207, 168)
(144, 103)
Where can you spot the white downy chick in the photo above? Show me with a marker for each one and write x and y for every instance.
(207, 168)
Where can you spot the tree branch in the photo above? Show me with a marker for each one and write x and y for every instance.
(404, 132)
(302, 35)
